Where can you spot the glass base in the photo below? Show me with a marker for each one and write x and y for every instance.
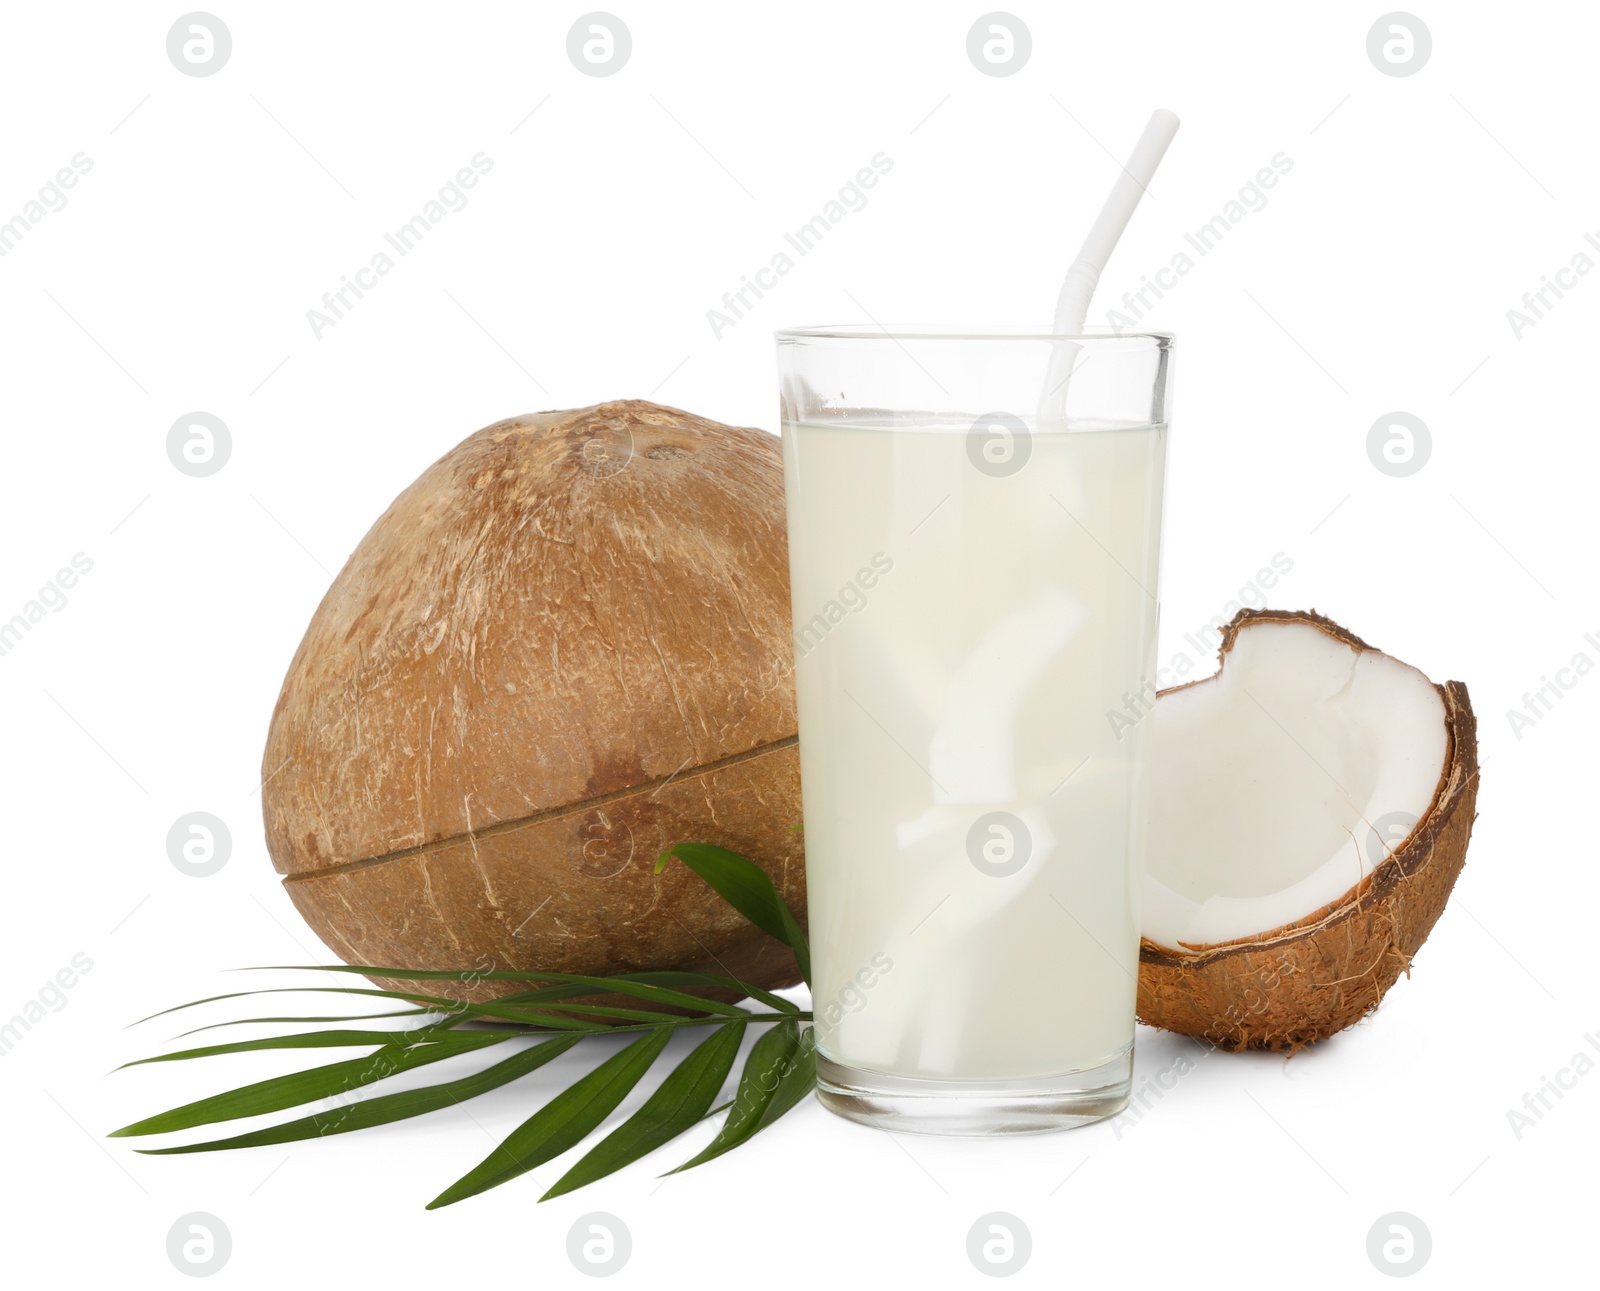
(1034, 1106)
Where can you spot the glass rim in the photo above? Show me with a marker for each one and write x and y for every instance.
(898, 332)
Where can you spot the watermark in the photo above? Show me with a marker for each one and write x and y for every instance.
(1537, 304)
(1150, 1090)
(849, 200)
(199, 844)
(999, 444)
(1399, 44)
(1539, 1102)
(998, 1244)
(198, 44)
(999, 844)
(199, 444)
(1539, 704)
(1399, 444)
(1136, 707)
(1386, 833)
(609, 450)
(999, 44)
(479, 972)
(198, 1244)
(599, 1244)
(1250, 199)
(852, 996)
(52, 198)
(50, 998)
(49, 599)
(779, 1070)
(451, 197)
(1398, 1244)
(851, 599)
(385, 1063)
(1253, 1001)
(599, 44)
(608, 846)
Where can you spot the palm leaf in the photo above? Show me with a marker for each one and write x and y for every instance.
(779, 1072)
(299, 1087)
(795, 1081)
(339, 1017)
(390, 1107)
(456, 1009)
(301, 1040)
(680, 1101)
(403, 996)
(626, 984)
(661, 978)
(748, 889)
(562, 1123)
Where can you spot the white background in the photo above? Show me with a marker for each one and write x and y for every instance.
(177, 278)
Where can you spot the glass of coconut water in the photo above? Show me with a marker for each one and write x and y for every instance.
(974, 572)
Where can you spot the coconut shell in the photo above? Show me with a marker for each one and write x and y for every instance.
(1284, 989)
(564, 648)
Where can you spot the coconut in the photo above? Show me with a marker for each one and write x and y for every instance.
(1312, 803)
(563, 649)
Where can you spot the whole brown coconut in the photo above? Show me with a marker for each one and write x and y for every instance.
(1284, 989)
(565, 648)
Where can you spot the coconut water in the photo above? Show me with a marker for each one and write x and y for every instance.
(969, 631)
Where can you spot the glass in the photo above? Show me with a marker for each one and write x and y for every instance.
(973, 560)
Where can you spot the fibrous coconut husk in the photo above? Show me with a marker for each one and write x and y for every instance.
(563, 649)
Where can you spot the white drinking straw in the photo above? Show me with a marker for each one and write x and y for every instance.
(1072, 306)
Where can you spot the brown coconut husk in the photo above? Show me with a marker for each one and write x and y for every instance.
(1289, 987)
(563, 649)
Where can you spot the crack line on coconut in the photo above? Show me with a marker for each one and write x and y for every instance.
(547, 813)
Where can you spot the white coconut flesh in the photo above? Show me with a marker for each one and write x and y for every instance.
(1281, 782)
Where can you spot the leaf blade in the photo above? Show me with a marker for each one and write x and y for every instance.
(796, 1081)
(679, 1102)
(562, 1123)
(324, 1017)
(748, 889)
(621, 984)
(280, 1092)
(733, 983)
(330, 1039)
(387, 1108)
(779, 1072)
(406, 997)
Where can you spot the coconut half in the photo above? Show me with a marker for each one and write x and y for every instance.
(1312, 804)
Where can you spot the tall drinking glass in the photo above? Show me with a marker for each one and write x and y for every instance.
(973, 559)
